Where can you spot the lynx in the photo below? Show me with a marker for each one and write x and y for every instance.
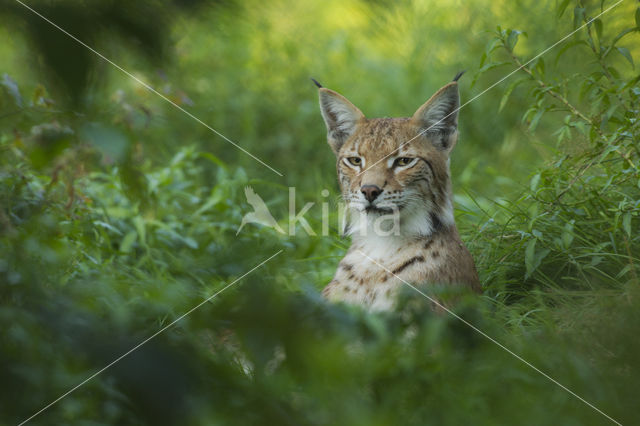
(396, 169)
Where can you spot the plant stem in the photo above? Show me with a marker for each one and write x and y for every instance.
(548, 90)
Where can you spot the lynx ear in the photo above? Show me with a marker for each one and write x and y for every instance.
(438, 118)
(340, 116)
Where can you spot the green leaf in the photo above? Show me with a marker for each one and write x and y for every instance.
(139, 224)
(529, 257)
(212, 158)
(127, 241)
(580, 126)
(190, 242)
(483, 58)
(563, 133)
(507, 93)
(536, 118)
(567, 234)
(535, 181)
(597, 23)
(562, 7)
(533, 258)
(107, 226)
(492, 45)
(617, 38)
(625, 52)
(527, 113)
(12, 89)
(512, 39)
(568, 46)
(213, 200)
(626, 223)
(638, 18)
(578, 16)
(623, 271)
(540, 66)
(608, 150)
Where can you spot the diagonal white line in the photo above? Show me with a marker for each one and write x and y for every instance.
(494, 340)
(151, 89)
(495, 84)
(147, 339)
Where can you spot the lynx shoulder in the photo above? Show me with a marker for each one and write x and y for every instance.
(395, 181)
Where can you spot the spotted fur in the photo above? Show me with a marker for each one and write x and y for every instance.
(404, 220)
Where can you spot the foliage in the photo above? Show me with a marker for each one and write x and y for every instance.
(112, 226)
(573, 227)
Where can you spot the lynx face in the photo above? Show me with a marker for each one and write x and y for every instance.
(395, 165)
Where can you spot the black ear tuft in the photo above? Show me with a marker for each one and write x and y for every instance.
(457, 77)
(316, 82)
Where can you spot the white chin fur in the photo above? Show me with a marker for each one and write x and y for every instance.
(415, 220)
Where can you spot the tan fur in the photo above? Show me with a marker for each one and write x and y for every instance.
(426, 248)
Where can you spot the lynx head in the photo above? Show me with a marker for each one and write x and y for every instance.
(395, 165)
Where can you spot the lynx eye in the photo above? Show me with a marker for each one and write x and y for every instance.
(356, 161)
(403, 161)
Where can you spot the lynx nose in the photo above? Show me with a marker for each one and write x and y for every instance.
(371, 192)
